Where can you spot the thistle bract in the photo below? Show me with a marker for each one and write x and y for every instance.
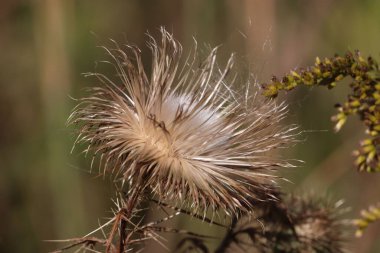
(183, 133)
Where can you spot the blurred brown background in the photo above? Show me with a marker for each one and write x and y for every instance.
(45, 45)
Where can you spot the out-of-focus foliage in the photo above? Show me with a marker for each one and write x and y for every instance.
(364, 99)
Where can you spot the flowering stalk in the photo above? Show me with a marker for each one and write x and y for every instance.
(364, 99)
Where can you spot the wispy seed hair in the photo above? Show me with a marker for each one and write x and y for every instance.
(183, 133)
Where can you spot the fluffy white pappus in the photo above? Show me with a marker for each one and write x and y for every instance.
(183, 133)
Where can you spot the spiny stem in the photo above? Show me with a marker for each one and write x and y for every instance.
(122, 235)
(127, 212)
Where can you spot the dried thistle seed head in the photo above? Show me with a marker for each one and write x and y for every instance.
(317, 224)
(183, 133)
(292, 224)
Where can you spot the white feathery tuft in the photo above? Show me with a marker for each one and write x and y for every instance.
(183, 133)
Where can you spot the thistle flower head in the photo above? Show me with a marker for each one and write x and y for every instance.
(317, 224)
(183, 133)
(294, 224)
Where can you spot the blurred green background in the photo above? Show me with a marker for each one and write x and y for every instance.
(46, 193)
